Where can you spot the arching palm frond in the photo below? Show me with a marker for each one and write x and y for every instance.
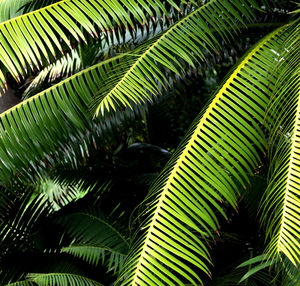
(32, 39)
(195, 185)
(281, 204)
(54, 279)
(46, 121)
(182, 42)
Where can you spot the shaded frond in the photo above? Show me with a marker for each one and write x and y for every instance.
(89, 227)
(32, 5)
(95, 238)
(182, 205)
(93, 254)
(59, 195)
(55, 279)
(182, 43)
(281, 203)
(22, 283)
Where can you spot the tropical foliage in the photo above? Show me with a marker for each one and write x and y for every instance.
(96, 190)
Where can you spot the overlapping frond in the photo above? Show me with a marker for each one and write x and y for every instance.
(54, 279)
(95, 238)
(67, 65)
(48, 120)
(93, 254)
(182, 43)
(183, 203)
(37, 37)
(18, 223)
(59, 194)
(281, 204)
(89, 227)
(10, 9)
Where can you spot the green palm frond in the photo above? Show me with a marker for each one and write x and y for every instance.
(182, 203)
(22, 283)
(89, 227)
(59, 195)
(93, 253)
(95, 238)
(46, 121)
(10, 9)
(17, 227)
(182, 42)
(31, 39)
(31, 5)
(55, 279)
(281, 204)
(65, 66)
(49, 127)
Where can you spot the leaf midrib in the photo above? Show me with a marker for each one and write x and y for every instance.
(192, 139)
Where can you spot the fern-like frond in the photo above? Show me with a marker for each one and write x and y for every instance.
(89, 227)
(182, 42)
(40, 36)
(217, 155)
(54, 279)
(281, 204)
(95, 238)
(93, 254)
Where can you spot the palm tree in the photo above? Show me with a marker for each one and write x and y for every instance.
(136, 51)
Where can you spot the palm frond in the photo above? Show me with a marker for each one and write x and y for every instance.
(54, 279)
(31, 5)
(183, 41)
(10, 9)
(93, 253)
(183, 201)
(59, 195)
(26, 133)
(281, 203)
(17, 226)
(91, 227)
(65, 66)
(22, 283)
(34, 38)
(95, 237)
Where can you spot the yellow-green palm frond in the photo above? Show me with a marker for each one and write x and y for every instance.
(29, 40)
(183, 43)
(281, 204)
(220, 151)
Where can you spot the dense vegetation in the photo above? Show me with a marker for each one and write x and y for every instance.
(156, 142)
